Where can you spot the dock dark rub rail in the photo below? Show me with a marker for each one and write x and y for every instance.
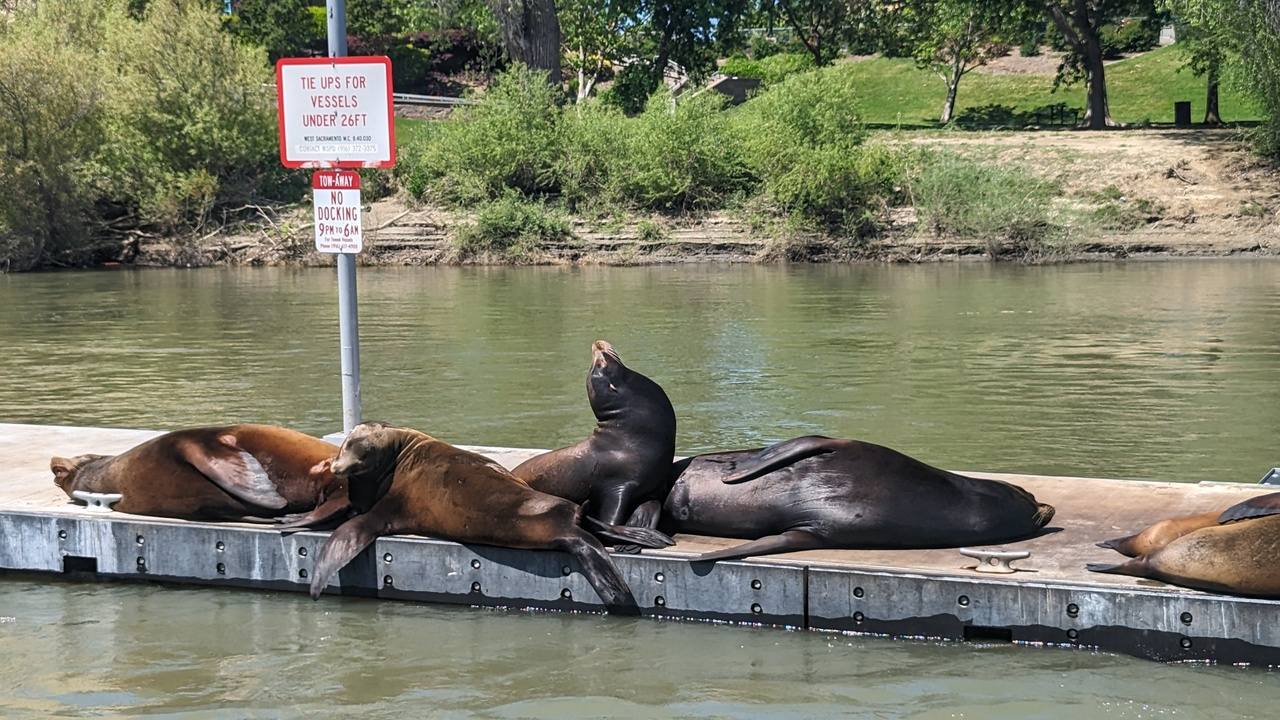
(1159, 625)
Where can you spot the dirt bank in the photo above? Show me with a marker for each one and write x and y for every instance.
(1181, 192)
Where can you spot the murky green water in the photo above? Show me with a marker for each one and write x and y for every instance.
(1161, 370)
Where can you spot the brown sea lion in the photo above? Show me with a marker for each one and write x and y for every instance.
(1236, 553)
(404, 481)
(627, 458)
(1166, 531)
(819, 492)
(236, 472)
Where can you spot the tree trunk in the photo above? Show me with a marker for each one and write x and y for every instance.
(531, 33)
(953, 86)
(814, 44)
(1097, 115)
(1211, 116)
(1082, 35)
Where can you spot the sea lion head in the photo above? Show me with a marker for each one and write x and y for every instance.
(618, 393)
(366, 462)
(65, 469)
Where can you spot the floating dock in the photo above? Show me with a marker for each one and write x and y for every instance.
(1051, 599)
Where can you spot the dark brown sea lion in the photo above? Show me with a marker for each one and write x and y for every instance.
(404, 481)
(627, 459)
(819, 492)
(237, 472)
(1232, 552)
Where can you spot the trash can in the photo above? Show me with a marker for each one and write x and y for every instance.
(1182, 113)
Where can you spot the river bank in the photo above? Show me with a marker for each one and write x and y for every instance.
(1125, 194)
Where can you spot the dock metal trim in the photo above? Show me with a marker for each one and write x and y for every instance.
(1158, 624)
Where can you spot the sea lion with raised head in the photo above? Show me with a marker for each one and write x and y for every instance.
(404, 481)
(819, 492)
(1233, 551)
(627, 458)
(251, 473)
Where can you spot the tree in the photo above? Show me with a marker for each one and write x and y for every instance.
(1079, 21)
(823, 26)
(530, 31)
(1206, 40)
(952, 37)
(597, 33)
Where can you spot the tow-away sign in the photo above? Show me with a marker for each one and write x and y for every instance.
(336, 199)
(335, 112)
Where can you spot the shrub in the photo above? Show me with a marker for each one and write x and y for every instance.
(286, 28)
(675, 157)
(1128, 36)
(1007, 208)
(511, 140)
(631, 88)
(173, 122)
(187, 133)
(52, 115)
(511, 225)
(804, 142)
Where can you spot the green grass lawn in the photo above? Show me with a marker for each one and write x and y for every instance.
(1140, 89)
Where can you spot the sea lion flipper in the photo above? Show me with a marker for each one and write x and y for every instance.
(788, 541)
(348, 541)
(780, 455)
(600, 572)
(235, 471)
(324, 513)
(1260, 506)
(638, 536)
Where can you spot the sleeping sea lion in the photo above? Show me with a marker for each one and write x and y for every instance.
(1233, 552)
(627, 458)
(404, 481)
(819, 492)
(249, 473)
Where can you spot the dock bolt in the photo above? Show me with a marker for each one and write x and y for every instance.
(963, 600)
(659, 577)
(565, 570)
(660, 601)
(387, 582)
(1185, 618)
(1072, 634)
(142, 564)
(566, 594)
(302, 573)
(1185, 643)
(858, 592)
(140, 540)
(219, 546)
(386, 558)
(858, 617)
(302, 551)
(1073, 610)
(62, 534)
(475, 564)
(755, 584)
(756, 609)
(475, 587)
(222, 569)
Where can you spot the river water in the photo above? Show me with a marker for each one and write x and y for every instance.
(1148, 370)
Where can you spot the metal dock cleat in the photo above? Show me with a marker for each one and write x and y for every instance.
(994, 561)
(97, 502)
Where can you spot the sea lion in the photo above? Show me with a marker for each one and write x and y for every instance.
(1164, 532)
(1235, 554)
(627, 459)
(404, 481)
(249, 473)
(819, 492)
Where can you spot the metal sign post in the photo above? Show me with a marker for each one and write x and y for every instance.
(348, 316)
(338, 112)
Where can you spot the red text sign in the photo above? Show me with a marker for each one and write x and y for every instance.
(336, 112)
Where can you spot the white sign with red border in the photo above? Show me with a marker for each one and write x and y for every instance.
(336, 209)
(336, 112)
